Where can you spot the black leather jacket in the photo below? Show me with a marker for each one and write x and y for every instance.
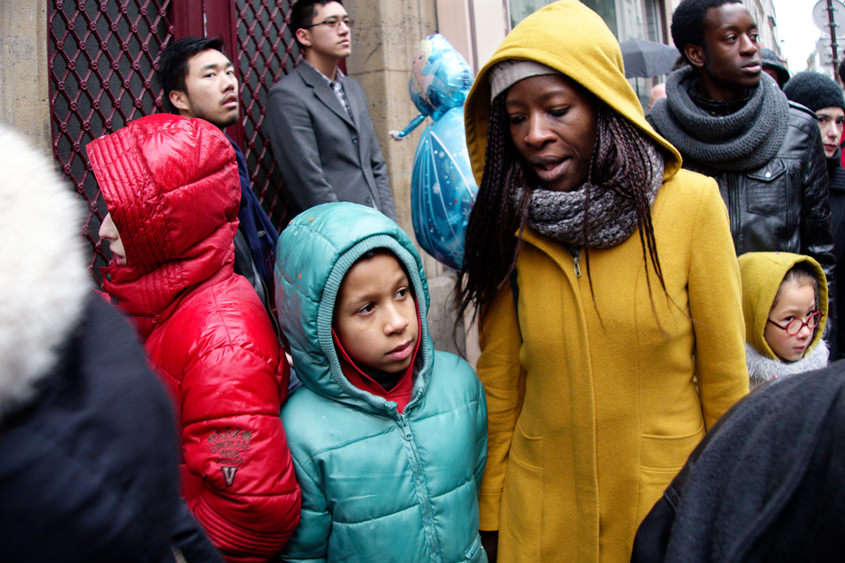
(785, 204)
(836, 173)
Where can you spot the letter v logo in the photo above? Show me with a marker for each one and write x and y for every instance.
(229, 474)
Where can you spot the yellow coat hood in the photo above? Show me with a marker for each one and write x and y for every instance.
(568, 37)
(762, 273)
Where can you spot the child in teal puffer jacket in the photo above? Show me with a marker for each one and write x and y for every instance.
(388, 437)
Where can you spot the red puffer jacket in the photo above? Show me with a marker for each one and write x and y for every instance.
(172, 187)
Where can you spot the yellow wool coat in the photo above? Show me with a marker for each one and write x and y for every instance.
(596, 398)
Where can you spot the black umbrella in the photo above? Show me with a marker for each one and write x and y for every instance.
(647, 58)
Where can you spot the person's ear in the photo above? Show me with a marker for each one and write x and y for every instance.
(304, 36)
(694, 54)
(179, 99)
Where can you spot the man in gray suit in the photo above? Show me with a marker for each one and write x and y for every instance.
(318, 120)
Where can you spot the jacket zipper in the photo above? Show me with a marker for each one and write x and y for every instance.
(576, 261)
(733, 205)
(421, 487)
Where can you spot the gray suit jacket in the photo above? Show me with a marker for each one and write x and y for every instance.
(324, 155)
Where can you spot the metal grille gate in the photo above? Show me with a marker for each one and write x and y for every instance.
(266, 51)
(102, 58)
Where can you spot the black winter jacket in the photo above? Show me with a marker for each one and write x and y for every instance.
(767, 483)
(783, 205)
(89, 465)
(837, 214)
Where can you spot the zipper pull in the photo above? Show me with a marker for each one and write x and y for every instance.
(576, 261)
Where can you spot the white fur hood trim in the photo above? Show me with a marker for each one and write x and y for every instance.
(43, 277)
(762, 369)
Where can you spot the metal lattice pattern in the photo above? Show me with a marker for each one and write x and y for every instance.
(102, 58)
(267, 51)
(101, 64)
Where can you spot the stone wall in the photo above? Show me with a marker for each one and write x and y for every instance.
(384, 40)
(24, 91)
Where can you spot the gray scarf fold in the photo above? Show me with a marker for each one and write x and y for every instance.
(741, 141)
(612, 216)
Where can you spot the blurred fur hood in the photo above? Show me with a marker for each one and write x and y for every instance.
(44, 281)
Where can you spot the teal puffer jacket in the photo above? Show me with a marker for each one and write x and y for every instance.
(377, 485)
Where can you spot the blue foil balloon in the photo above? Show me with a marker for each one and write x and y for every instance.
(443, 188)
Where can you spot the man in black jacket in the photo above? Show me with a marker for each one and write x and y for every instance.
(730, 120)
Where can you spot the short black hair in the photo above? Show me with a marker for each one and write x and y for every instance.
(302, 14)
(173, 64)
(688, 21)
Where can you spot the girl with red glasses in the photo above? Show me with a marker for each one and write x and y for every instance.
(785, 305)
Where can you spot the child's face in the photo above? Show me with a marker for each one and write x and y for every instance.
(376, 315)
(108, 233)
(797, 301)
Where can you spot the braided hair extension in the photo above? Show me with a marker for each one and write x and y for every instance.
(490, 247)
(619, 162)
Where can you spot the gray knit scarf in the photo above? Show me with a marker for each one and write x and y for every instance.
(612, 216)
(741, 141)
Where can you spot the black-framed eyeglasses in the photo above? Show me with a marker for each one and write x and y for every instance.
(333, 21)
(794, 326)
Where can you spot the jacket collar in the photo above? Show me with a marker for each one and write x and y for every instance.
(323, 92)
(399, 391)
(150, 298)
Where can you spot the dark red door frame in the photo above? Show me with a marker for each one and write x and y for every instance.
(210, 18)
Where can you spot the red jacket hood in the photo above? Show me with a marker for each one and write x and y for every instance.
(172, 187)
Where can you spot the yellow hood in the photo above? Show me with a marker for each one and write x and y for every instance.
(568, 37)
(762, 273)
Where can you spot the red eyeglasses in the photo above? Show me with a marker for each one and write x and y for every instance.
(794, 326)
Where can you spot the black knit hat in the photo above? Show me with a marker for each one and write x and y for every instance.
(771, 60)
(814, 90)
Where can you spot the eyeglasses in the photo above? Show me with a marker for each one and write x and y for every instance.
(794, 326)
(332, 22)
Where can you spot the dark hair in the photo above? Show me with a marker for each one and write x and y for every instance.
(688, 21)
(800, 272)
(840, 71)
(173, 64)
(619, 161)
(302, 14)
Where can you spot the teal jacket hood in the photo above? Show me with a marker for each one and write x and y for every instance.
(312, 257)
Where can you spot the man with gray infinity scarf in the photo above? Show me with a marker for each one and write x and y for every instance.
(730, 120)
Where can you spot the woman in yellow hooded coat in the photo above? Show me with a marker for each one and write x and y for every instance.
(609, 345)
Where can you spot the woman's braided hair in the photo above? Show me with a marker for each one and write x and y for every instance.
(620, 161)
